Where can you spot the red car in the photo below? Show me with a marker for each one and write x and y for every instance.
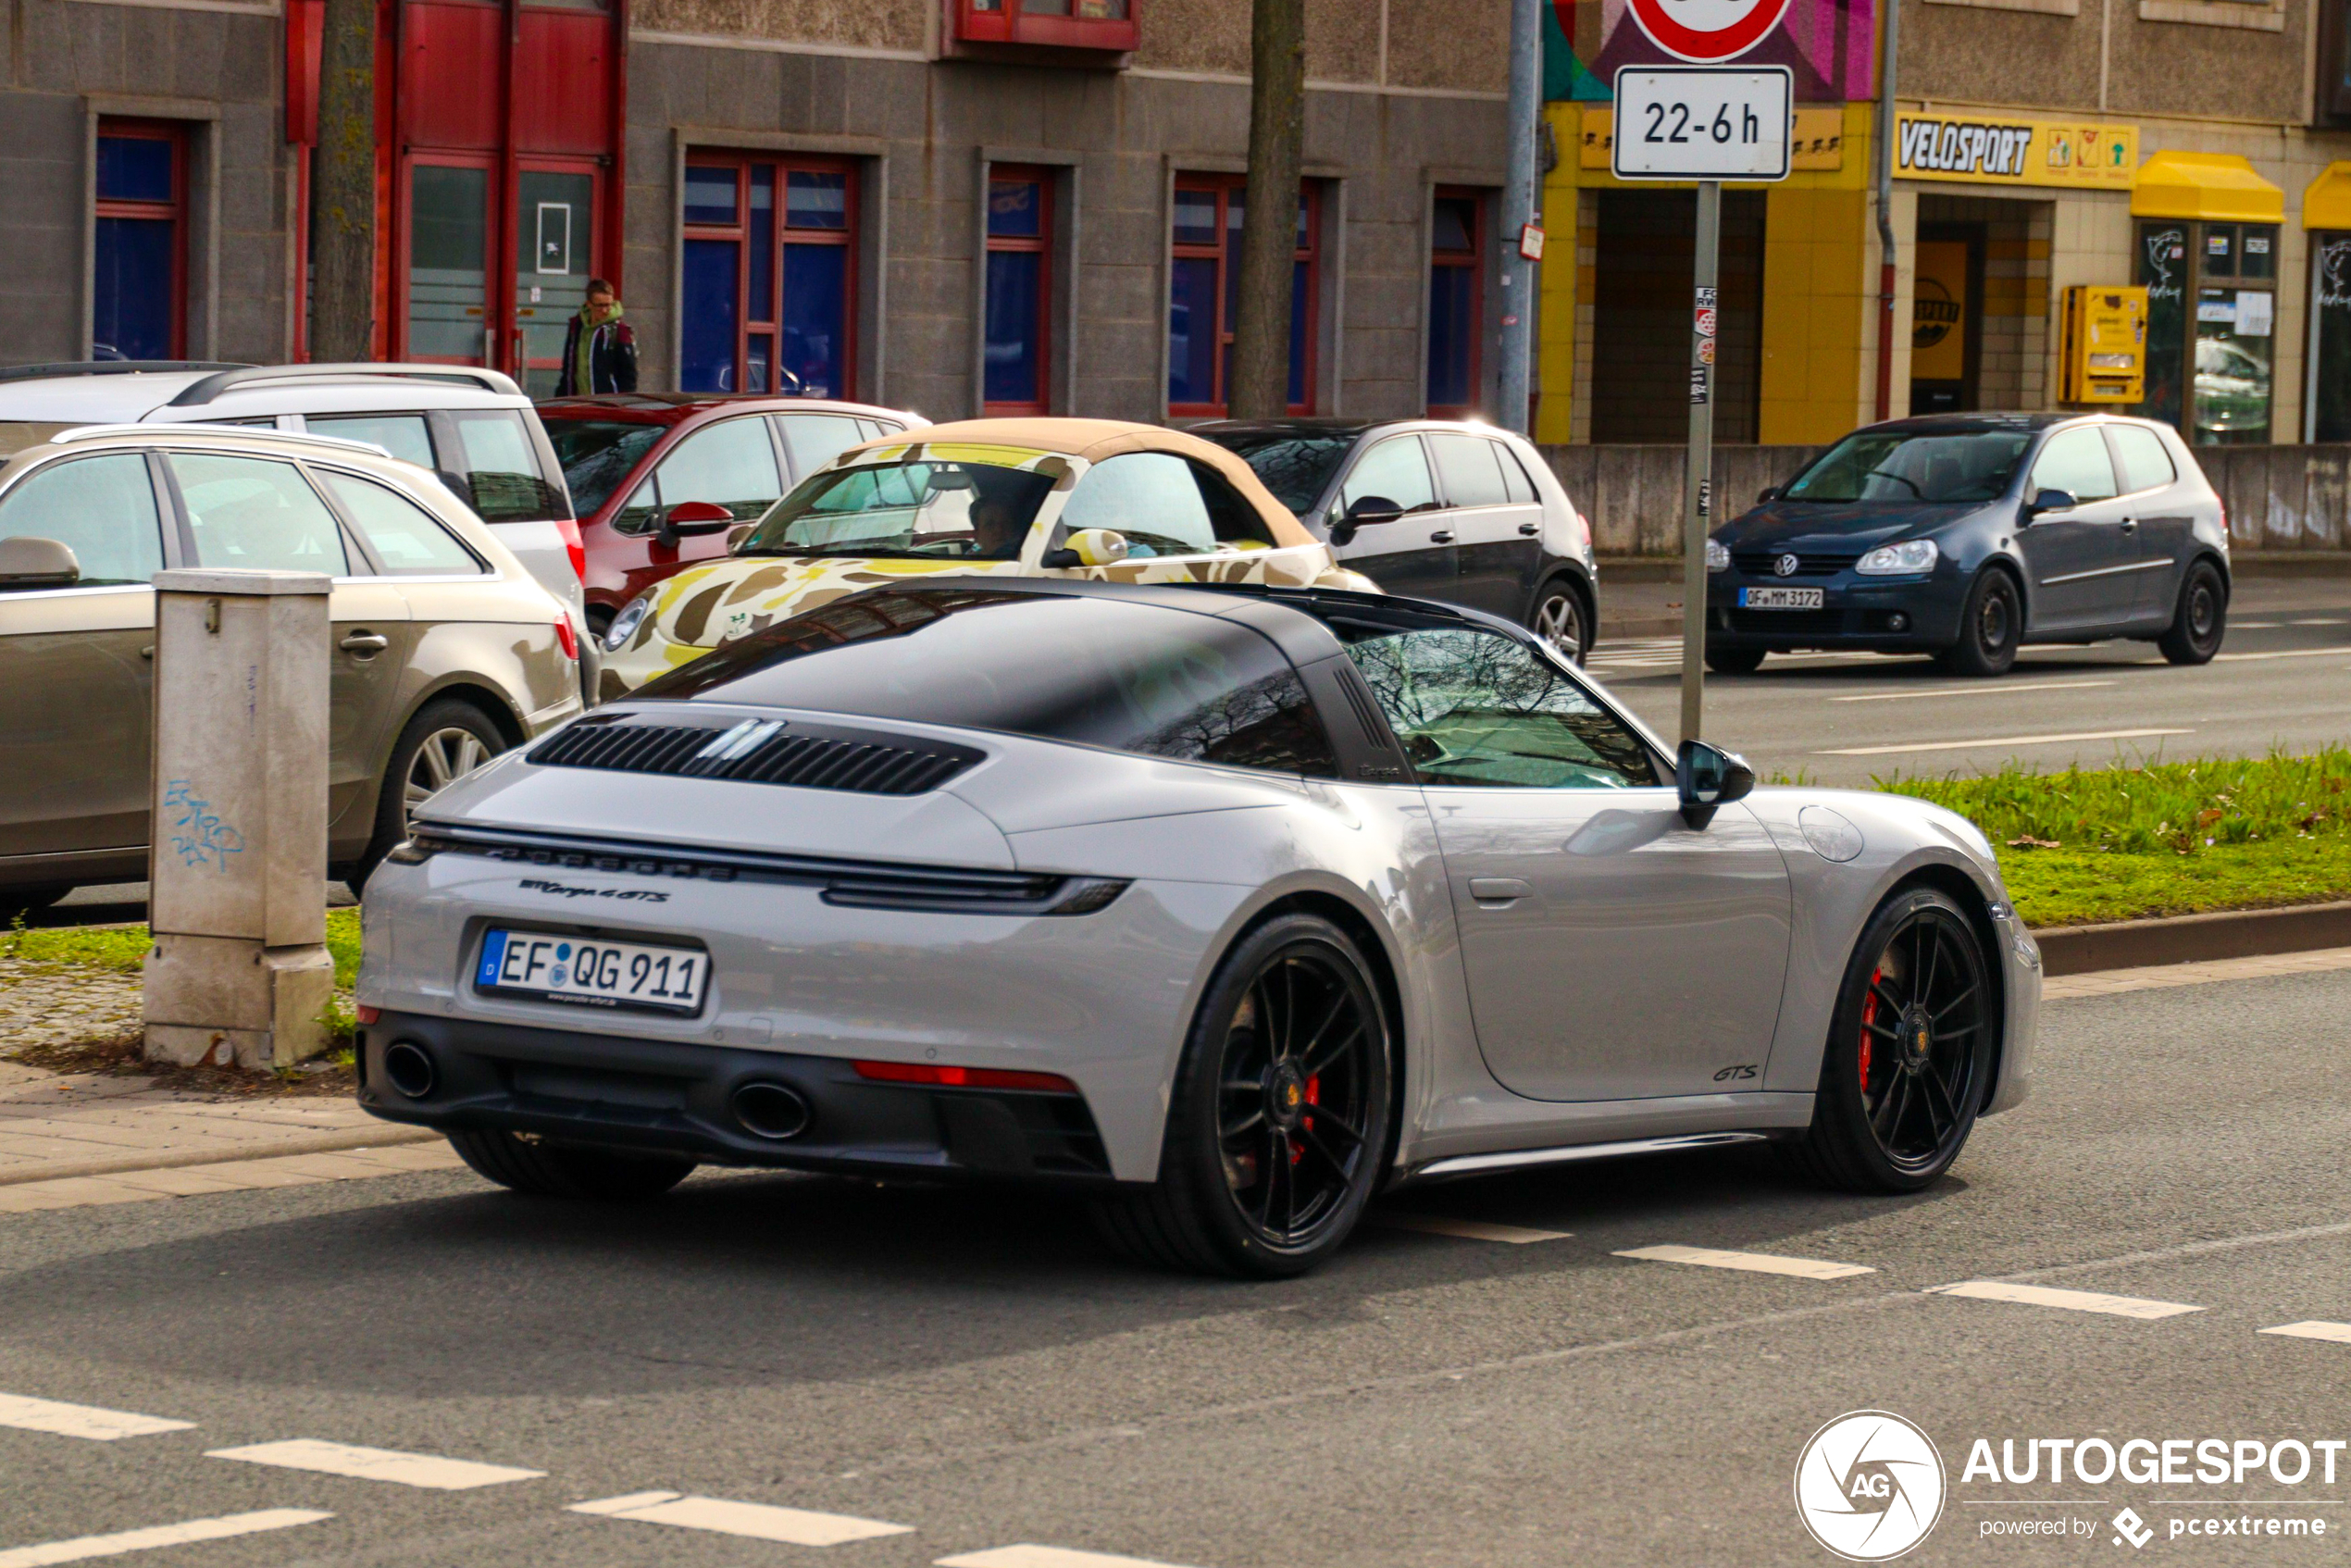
(659, 478)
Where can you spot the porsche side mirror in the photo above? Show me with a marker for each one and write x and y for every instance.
(2049, 501)
(1708, 777)
(689, 519)
(25, 562)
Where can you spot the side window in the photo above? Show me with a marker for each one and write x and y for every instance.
(1394, 470)
(816, 440)
(732, 464)
(1233, 520)
(1223, 699)
(502, 465)
(255, 513)
(1467, 466)
(636, 513)
(402, 435)
(405, 536)
(101, 508)
(1476, 707)
(1514, 478)
(2075, 461)
(2145, 464)
(1150, 497)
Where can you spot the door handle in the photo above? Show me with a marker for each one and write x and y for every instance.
(1499, 890)
(1530, 530)
(1442, 536)
(365, 643)
(148, 652)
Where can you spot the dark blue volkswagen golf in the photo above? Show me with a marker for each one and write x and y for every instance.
(1969, 535)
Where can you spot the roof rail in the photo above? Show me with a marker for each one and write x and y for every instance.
(211, 387)
(113, 367)
(178, 427)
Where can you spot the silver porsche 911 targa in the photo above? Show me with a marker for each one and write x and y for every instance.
(1229, 906)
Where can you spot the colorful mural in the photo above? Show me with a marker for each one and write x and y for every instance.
(1831, 46)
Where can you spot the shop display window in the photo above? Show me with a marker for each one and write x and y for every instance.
(2211, 327)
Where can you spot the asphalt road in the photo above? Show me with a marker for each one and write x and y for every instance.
(2282, 678)
(971, 1366)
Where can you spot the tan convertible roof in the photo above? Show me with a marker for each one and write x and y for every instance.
(1095, 440)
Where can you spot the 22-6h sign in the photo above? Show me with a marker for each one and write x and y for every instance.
(1708, 30)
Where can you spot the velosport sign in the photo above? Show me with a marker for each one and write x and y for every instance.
(1708, 30)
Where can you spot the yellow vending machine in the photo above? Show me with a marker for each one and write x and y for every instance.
(2105, 344)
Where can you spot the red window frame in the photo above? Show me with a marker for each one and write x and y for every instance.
(752, 322)
(1225, 253)
(1107, 25)
(1473, 261)
(174, 211)
(1041, 247)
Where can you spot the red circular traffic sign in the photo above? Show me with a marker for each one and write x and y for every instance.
(1708, 30)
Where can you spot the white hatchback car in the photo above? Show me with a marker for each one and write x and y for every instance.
(472, 427)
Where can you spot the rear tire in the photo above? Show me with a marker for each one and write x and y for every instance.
(558, 1170)
(2201, 618)
(1915, 1006)
(1734, 661)
(446, 739)
(1562, 619)
(1277, 1131)
(1991, 628)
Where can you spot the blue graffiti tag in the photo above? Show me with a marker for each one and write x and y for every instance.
(203, 839)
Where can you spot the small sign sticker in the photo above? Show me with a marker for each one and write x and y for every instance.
(1530, 241)
(1705, 320)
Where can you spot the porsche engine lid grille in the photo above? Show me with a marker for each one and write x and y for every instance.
(769, 750)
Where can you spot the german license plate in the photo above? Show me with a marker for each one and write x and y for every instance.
(1780, 598)
(590, 971)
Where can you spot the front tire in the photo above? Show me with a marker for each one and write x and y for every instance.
(447, 739)
(1910, 1050)
(1734, 661)
(2201, 618)
(1560, 619)
(1991, 628)
(1279, 1125)
(557, 1170)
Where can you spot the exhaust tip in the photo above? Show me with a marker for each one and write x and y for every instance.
(408, 1067)
(772, 1111)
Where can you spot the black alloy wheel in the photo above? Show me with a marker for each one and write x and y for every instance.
(531, 1165)
(1991, 628)
(1560, 620)
(1279, 1125)
(2201, 620)
(1910, 1049)
(1734, 661)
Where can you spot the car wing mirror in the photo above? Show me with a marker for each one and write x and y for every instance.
(1098, 547)
(38, 562)
(1708, 777)
(1361, 510)
(691, 520)
(2049, 501)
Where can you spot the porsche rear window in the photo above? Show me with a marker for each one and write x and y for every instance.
(1134, 678)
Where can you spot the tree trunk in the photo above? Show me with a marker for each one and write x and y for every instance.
(342, 190)
(1258, 379)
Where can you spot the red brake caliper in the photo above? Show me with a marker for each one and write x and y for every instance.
(1314, 1097)
(1869, 1017)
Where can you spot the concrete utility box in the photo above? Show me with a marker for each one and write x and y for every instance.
(239, 972)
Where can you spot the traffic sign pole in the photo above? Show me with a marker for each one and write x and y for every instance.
(1698, 485)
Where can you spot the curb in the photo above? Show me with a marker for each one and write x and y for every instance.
(2187, 938)
(160, 1160)
(1639, 625)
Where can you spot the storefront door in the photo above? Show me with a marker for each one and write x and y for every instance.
(1946, 313)
(555, 227)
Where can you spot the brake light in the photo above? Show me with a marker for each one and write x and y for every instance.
(569, 638)
(366, 1014)
(569, 528)
(962, 1077)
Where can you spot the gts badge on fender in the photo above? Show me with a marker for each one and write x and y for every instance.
(1728, 1074)
(637, 895)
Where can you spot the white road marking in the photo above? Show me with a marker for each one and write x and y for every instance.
(761, 1522)
(2335, 1333)
(2004, 689)
(2072, 1301)
(2286, 653)
(1025, 1556)
(2255, 626)
(425, 1469)
(2322, 620)
(80, 1420)
(83, 1548)
(1469, 1230)
(1998, 740)
(1753, 1263)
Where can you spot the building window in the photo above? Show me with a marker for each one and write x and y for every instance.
(1020, 223)
(1204, 288)
(2211, 327)
(1456, 300)
(768, 276)
(1107, 25)
(140, 260)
